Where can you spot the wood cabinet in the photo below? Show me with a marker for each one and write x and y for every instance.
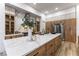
(36, 27)
(9, 24)
(53, 46)
(49, 26)
(48, 49)
(57, 43)
(70, 30)
(39, 52)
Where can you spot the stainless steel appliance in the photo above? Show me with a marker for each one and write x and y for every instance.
(59, 28)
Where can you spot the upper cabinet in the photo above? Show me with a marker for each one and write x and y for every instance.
(37, 25)
(9, 20)
(49, 26)
(9, 24)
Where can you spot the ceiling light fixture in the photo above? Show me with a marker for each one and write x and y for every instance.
(46, 12)
(34, 3)
(56, 8)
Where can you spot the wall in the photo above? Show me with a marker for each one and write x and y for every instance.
(77, 17)
(2, 27)
(42, 23)
(18, 21)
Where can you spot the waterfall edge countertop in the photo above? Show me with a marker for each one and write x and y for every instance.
(22, 46)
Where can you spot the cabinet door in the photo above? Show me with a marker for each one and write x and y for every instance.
(9, 24)
(12, 27)
(50, 48)
(49, 52)
(66, 30)
(70, 30)
(42, 51)
(73, 30)
(57, 42)
(49, 26)
(38, 52)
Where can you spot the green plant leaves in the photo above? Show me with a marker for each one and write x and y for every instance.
(27, 21)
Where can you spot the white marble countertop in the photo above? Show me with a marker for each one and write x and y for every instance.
(23, 46)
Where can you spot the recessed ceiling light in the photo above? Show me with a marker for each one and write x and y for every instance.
(46, 12)
(34, 3)
(56, 8)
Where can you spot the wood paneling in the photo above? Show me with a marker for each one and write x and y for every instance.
(49, 26)
(70, 30)
(36, 27)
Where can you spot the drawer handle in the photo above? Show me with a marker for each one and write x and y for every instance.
(35, 54)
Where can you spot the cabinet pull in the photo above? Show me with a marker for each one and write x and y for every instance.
(35, 54)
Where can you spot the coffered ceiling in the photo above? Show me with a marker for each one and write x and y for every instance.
(48, 8)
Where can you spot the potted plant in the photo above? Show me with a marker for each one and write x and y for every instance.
(28, 23)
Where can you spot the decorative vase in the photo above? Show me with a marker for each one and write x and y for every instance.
(29, 33)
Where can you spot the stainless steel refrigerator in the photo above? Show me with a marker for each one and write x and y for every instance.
(59, 28)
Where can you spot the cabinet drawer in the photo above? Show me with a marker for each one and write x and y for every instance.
(38, 52)
(42, 51)
(50, 45)
(57, 42)
(50, 52)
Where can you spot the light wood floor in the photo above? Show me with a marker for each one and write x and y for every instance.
(68, 49)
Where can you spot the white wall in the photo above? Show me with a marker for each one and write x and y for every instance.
(2, 27)
(77, 17)
(42, 22)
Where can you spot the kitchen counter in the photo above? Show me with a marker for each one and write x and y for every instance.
(22, 46)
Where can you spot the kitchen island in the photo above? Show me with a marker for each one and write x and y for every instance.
(22, 46)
